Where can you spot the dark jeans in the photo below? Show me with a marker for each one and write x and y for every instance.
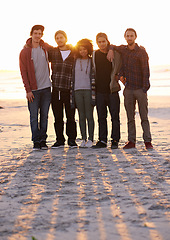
(113, 102)
(40, 106)
(59, 101)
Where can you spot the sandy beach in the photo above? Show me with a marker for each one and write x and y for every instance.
(84, 194)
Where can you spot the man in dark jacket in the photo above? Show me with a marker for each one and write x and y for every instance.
(35, 75)
(107, 92)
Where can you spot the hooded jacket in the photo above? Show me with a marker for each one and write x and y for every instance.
(27, 65)
(116, 65)
(92, 85)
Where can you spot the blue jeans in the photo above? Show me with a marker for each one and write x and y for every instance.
(40, 105)
(113, 102)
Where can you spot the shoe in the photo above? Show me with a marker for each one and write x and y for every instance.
(100, 144)
(83, 144)
(114, 144)
(72, 143)
(89, 144)
(36, 146)
(43, 145)
(57, 145)
(148, 145)
(129, 145)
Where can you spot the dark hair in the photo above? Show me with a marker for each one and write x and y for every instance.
(86, 43)
(61, 32)
(130, 29)
(102, 35)
(37, 27)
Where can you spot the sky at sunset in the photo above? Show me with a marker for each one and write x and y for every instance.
(84, 19)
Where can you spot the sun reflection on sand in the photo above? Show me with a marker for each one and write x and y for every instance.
(27, 212)
(54, 209)
(13, 165)
(102, 230)
(30, 205)
(154, 234)
(115, 209)
(147, 181)
(79, 194)
(81, 215)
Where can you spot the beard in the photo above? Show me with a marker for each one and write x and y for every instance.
(61, 44)
(131, 43)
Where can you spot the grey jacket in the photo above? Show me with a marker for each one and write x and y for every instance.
(116, 65)
(92, 85)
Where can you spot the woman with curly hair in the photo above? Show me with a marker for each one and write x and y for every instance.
(83, 90)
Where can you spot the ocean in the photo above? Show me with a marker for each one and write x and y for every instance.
(11, 86)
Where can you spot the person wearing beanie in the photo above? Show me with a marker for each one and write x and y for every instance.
(62, 61)
(34, 70)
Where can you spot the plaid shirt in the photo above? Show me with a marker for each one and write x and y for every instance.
(135, 67)
(61, 70)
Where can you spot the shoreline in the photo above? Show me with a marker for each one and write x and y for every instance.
(15, 114)
(155, 97)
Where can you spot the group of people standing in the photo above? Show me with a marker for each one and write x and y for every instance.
(83, 78)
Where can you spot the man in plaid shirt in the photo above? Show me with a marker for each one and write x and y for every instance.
(135, 76)
(62, 60)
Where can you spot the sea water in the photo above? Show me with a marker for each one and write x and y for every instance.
(11, 85)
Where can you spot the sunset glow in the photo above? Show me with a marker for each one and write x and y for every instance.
(85, 19)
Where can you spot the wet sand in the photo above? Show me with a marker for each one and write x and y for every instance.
(84, 194)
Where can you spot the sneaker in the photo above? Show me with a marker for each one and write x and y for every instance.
(57, 145)
(89, 144)
(43, 145)
(129, 145)
(114, 144)
(83, 144)
(72, 143)
(36, 146)
(100, 144)
(148, 145)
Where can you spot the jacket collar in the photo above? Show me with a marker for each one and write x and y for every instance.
(29, 42)
(135, 49)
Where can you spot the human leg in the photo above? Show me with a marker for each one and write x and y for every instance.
(143, 111)
(80, 103)
(102, 116)
(45, 100)
(114, 108)
(71, 130)
(34, 111)
(89, 113)
(57, 108)
(129, 103)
